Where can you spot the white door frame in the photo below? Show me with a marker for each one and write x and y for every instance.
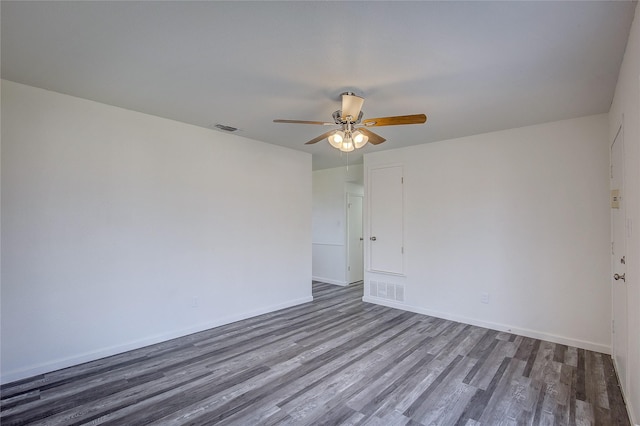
(619, 330)
(349, 273)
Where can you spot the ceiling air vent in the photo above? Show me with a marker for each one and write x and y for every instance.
(226, 128)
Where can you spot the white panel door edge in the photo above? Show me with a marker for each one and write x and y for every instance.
(619, 320)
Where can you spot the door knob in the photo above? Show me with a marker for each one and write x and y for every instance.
(619, 277)
(373, 238)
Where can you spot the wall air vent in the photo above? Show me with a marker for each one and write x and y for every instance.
(226, 128)
(386, 290)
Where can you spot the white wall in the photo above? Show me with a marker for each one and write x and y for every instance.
(115, 223)
(627, 103)
(520, 214)
(330, 187)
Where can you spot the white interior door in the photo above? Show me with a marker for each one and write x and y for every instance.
(618, 259)
(355, 265)
(386, 249)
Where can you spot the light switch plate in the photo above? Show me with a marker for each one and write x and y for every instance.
(615, 198)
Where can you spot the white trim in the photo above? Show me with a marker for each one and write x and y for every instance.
(328, 244)
(57, 364)
(625, 380)
(627, 401)
(330, 281)
(395, 274)
(592, 346)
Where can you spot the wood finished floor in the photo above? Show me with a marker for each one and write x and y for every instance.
(334, 361)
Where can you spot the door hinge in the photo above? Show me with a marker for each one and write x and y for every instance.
(613, 326)
(402, 180)
(348, 268)
(402, 250)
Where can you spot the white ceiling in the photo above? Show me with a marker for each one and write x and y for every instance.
(472, 67)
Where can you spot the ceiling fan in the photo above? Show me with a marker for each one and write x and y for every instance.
(353, 132)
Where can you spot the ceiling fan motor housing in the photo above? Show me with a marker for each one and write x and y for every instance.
(337, 117)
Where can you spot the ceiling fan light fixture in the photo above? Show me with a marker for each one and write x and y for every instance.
(336, 139)
(347, 145)
(359, 139)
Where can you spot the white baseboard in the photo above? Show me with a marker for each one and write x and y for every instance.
(627, 400)
(592, 346)
(330, 281)
(58, 364)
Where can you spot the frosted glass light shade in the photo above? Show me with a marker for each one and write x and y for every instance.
(347, 146)
(336, 139)
(360, 139)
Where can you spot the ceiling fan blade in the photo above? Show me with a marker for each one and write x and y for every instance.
(393, 121)
(319, 138)
(373, 138)
(304, 122)
(351, 106)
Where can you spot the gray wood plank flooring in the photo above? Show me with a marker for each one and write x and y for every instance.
(334, 361)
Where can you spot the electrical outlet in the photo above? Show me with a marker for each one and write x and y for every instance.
(484, 297)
